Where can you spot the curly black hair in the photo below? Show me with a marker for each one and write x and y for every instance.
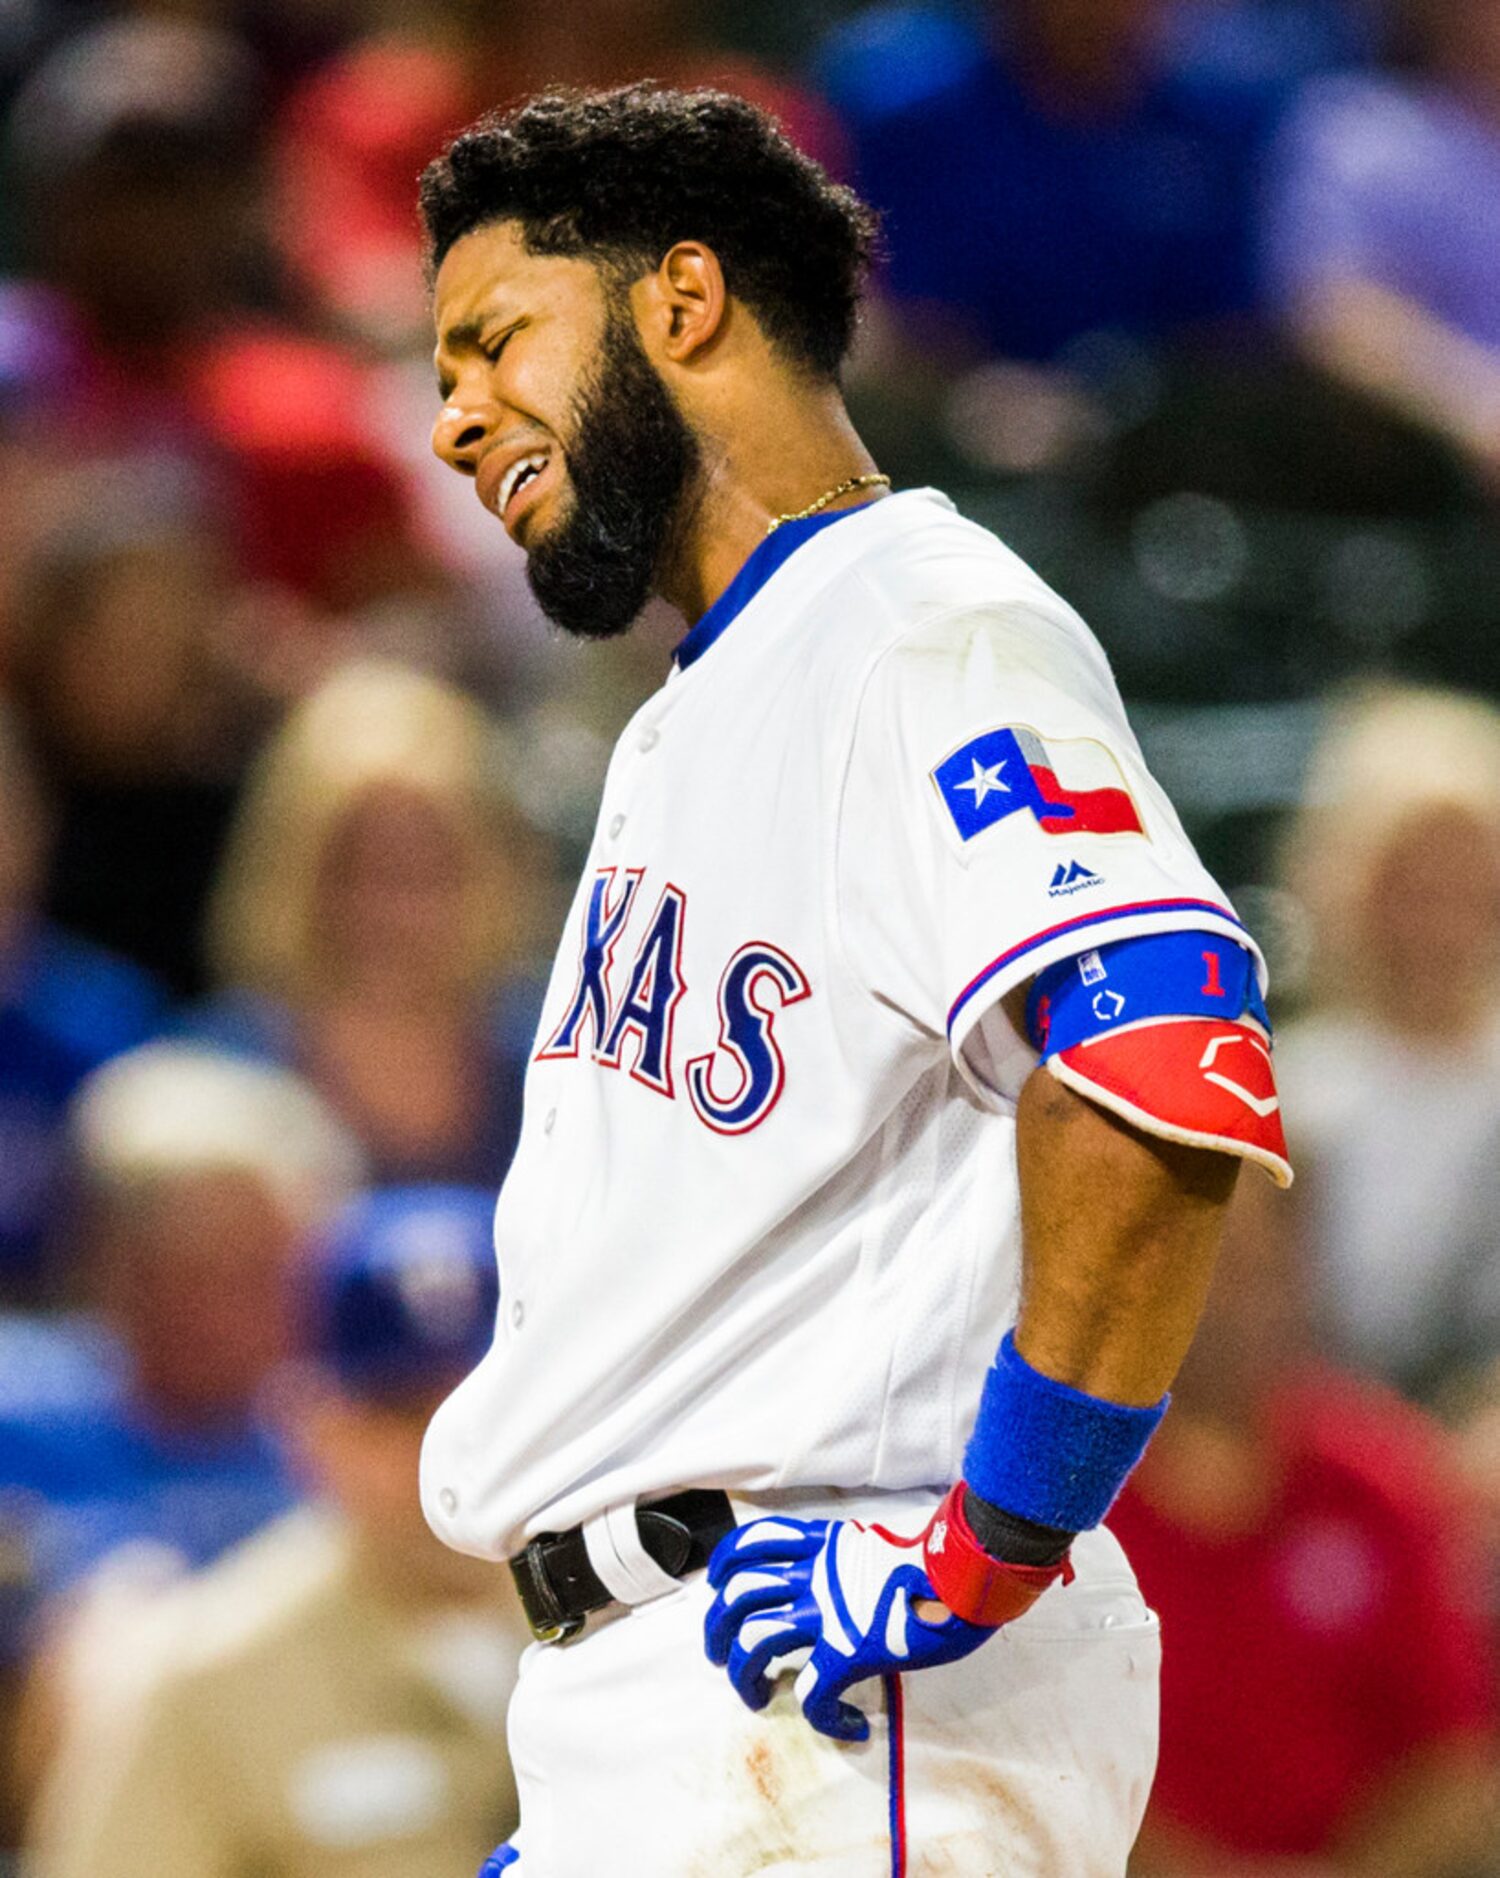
(624, 174)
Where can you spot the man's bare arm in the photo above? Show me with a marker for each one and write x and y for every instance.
(1432, 1819)
(1388, 344)
(1119, 1234)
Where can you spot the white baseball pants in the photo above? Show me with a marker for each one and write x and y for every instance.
(1032, 1758)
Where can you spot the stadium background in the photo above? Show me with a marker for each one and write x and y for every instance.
(1197, 302)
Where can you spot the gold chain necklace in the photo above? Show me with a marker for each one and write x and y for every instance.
(844, 489)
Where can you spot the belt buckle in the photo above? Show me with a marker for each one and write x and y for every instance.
(549, 1622)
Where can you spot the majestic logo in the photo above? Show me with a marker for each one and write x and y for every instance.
(733, 1086)
(1072, 877)
(1070, 786)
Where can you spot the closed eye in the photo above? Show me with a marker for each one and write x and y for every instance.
(492, 348)
(464, 337)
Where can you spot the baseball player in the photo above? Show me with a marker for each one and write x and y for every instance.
(894, 1072)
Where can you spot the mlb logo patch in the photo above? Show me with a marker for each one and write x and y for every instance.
(1070, 786)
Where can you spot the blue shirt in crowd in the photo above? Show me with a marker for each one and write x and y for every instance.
(1396, 183)
(1038, 226)
(83, 1473)
(65, 1008)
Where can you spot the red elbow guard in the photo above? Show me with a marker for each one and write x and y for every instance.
(1198, 1080)
(974, 1586)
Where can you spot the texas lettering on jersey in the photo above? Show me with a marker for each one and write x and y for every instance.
(733, 1086)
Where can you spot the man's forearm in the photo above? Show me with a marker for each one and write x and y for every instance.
(1119, 1235)
(1120, 1231)
(1388, 344)
(1433, 1819)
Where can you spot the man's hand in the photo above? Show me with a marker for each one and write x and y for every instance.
(834, 1598)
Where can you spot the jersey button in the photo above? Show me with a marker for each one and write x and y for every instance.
(448, 1501)
(616, 823)
(649, 739)
(550, 1122)
(517, 1315)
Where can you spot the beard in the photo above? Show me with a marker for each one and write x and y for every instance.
(631, 463)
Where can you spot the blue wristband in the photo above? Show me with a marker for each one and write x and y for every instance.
(1049, 1452)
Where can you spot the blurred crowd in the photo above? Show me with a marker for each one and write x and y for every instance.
(1198, 303)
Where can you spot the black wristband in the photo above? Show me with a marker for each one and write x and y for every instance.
(1011, 1539)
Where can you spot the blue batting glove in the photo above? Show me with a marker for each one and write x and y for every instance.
(503, 1858)
(831, 1597)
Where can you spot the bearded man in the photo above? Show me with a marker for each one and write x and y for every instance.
(895, 1021)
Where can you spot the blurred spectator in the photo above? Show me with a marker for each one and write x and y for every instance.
(378, 912)
(136, 150)
(143, 1424)
(353, 136)
(64, 1008)
(1328, 1702)
(1053, 169)
(32, 361)
(121, 671)
(1383, 231)
(1392, 1080)
(329, 1700)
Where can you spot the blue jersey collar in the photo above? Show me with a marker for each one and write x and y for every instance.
(772, 553)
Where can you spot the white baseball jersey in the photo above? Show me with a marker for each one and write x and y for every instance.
(761, 1230)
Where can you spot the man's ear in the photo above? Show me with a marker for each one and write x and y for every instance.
(684, 304)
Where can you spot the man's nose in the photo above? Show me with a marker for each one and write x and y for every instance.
(460, 434)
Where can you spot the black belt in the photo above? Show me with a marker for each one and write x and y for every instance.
(559, 1587)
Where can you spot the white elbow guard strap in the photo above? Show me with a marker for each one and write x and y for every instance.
(1169, 1032)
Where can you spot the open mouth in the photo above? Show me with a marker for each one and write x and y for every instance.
(512, 497)
(518, 476)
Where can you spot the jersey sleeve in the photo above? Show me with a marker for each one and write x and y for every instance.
(996, 816)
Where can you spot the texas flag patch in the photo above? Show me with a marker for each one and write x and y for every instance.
(1072, 786)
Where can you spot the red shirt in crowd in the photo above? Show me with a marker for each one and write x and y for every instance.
(1306, 1658)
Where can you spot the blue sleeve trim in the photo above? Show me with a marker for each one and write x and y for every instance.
(1050, 1453)
(1170, 974)
(1133, 910)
